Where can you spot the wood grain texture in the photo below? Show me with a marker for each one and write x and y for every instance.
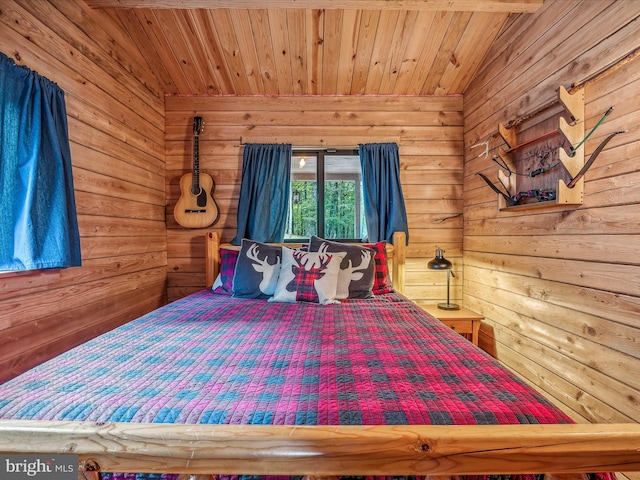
(560, 288)
(313, 48)
(332, 450)
(485, 5)
(115, 113)
(430, 162)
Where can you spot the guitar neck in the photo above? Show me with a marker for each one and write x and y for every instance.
(195, 178)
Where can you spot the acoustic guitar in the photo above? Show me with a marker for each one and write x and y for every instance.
(195, 207)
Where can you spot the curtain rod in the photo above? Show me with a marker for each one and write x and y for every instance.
(313, 147)
(316, 148)
(340, 147)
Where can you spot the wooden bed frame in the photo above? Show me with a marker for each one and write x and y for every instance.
(326, 451)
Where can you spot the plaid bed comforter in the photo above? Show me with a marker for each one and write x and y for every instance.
(215, 359)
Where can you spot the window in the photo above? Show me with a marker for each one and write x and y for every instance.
(326, 195)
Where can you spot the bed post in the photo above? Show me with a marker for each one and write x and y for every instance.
(211, 258)
(399, 257)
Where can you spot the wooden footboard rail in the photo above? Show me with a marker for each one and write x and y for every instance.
(331, 450)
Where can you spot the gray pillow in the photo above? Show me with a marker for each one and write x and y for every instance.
(257, 270)
(357, 269)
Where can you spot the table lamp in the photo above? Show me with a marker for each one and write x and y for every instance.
(441, 263)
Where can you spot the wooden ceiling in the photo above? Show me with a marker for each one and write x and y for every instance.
(314, 47)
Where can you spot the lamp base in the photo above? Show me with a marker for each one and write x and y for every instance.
(448, 306)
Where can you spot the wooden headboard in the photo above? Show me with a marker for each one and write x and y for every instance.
(395, 253)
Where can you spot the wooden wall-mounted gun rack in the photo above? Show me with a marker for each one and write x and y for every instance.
(539, 162)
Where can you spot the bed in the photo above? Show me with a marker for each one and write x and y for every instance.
(213, 384)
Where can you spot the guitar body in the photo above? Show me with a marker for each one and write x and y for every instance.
(196, 208)
(187, 212)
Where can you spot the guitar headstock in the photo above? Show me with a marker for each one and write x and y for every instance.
(198, 125)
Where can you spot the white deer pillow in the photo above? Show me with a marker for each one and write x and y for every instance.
(357, 270)
(257, 270)
(308, 277)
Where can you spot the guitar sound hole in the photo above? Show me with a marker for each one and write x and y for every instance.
(202, 198)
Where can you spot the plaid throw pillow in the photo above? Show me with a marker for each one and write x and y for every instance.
(224, 283)
(308, 277)
(382, 281)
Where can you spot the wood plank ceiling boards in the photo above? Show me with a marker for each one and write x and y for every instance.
(313, 47)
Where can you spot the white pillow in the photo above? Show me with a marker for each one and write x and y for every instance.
(308, 277)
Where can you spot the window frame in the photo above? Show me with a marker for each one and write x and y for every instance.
(319, 153)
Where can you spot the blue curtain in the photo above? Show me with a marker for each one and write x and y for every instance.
(38, 224)
(264, 193)
(384, 207)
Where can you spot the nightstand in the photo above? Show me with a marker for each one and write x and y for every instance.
(463, 321)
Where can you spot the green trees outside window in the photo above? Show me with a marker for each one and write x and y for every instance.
(326, 196)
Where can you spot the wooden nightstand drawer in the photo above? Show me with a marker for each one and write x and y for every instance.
(460, 326)
(463, 321)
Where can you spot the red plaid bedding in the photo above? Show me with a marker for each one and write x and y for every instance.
(216, 359)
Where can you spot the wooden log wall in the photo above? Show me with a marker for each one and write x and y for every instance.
(428, 131)
(560, 287)
(116, 128)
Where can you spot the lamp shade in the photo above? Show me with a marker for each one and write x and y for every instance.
(439, 263)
